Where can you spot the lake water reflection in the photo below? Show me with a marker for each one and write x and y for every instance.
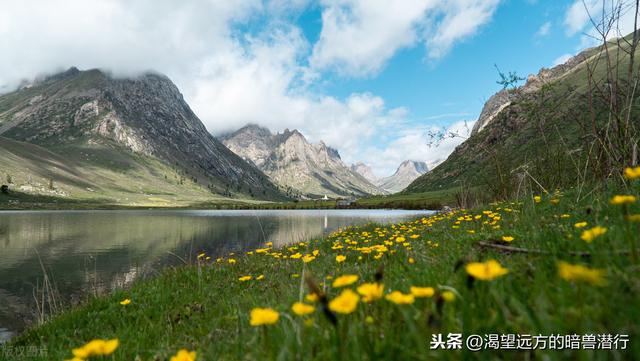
(93, 252)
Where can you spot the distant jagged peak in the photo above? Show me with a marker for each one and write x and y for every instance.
(406, 173)
(294, 162)
(254, 129)
(322, 147)
(258, 132)
(333, 152)
(413, 165)
(293, 132)
(365, 171)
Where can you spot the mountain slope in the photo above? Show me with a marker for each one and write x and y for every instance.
(540, 134)
(365, 171)
(305, 169)
(406, 173)
(93, 119)
(93, 175)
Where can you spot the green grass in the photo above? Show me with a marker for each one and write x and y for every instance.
(421, 200)
(97, 176)
(426, 200)
(204, 307)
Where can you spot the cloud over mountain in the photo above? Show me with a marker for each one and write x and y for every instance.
(243, 61)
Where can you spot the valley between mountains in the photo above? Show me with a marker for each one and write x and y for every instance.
(88, 139)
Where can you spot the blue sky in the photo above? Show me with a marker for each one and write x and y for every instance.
(368, 77)
(462, 80)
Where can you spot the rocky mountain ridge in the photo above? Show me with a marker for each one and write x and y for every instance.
(365, 171)
(306, 170)
(503, 98)
(534, 131)
(406, 173)
(145, 115)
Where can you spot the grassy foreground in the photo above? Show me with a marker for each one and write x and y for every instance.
(532, 289)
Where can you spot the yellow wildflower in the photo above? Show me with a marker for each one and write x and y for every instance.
(537, 199)
(125, 302)
(507, 238)
(400, 298)
(263, 316)
(232, 261)
(422, 291)
(345, 280)
(622, 199)
(259, 278)
(371, 291)
(96, 348)
(571, 272)
(302, 309)
(184, 355)
(448, 296)
(244, 278)
(312, 297)
(632, 173)
(308, 258)
(590, 234)
(580, 224)
(340, 258)
(411, 260)
(486, 271)
(345, 303)
(369, 320)
(633, 218)
(201, 255)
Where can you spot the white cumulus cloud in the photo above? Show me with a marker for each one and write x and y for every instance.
(358, 37)
(248, 61)
(455, 20)
(580, 14)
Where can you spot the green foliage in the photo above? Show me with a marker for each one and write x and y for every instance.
(509, 80)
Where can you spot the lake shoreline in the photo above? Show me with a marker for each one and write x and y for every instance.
(89, 252)
(428, 201)
(429, 285)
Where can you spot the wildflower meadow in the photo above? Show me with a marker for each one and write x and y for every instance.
(562, 263)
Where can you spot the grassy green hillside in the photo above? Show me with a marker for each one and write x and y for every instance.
(92, 175)
(544, 139)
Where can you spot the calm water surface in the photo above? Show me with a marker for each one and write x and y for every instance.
(94, 252)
